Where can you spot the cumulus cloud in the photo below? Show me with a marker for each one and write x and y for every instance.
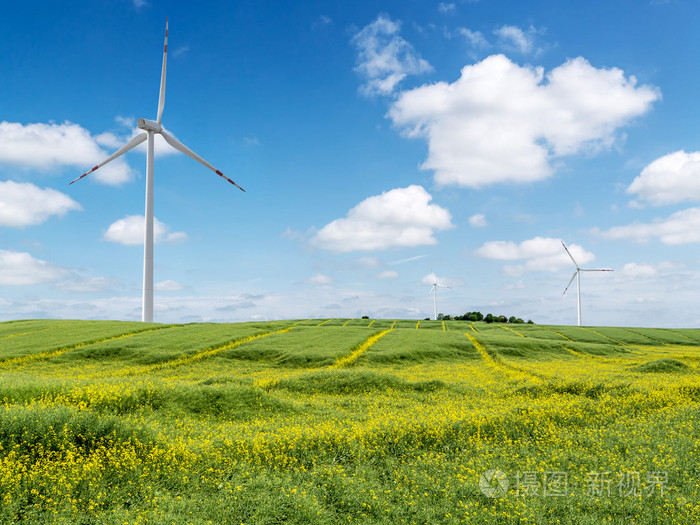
(478, 221)
(538, 254)
(670, 179)
(49, 146)
(388, 274)
(385, 58)
(169, 286)
(501, 122)
(512, 37)
(446, 282)
(21, 269)
(319, 279)
(24, 204)
(682, 227)
(401, 217)
(447, 7)
(638, 270)
(130, 231)
(432, 278)
(475, 38)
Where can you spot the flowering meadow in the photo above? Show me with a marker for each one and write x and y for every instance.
(347, 421)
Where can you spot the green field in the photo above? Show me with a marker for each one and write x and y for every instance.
(347, 420)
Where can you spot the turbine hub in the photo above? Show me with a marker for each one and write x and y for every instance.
(149, 125)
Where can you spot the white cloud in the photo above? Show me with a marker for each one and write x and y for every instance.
(127, 122)
(180, 50)
(446, 282)
(21, 269)
(538, 254)
(669, 179)
(48, 146)
(500, 122)
(169, 286)
(638, 270)
(683, 227)
(251, 142)
(446, 7)
(475, 38)
(385, 58)
(513, 37)
(401, 217)
(408, 259)
(319, 279)
(292, 234)
(432, 278)
(478, 221)
(130, 231)
(388, 274)
(24, 204)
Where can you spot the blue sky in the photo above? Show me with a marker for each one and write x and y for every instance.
(379, 143)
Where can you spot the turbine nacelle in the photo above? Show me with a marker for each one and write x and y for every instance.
(149, 125)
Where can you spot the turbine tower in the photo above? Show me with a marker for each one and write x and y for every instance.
(151, 127)
(433, 291)
(577, 276)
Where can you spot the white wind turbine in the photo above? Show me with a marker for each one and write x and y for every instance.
(433, 291)
(577, 276)
(151, 127)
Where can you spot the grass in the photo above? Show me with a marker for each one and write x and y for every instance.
(347, 420)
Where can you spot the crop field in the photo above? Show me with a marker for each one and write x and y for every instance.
(347, 421)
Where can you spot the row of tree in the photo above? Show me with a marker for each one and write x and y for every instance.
(478, 316)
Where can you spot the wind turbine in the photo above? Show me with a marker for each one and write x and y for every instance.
(151, 127)
(577, 276)
(433, 291)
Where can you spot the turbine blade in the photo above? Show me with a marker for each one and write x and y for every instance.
(161, 96)
(431, 290)
(187, 151)
(596, 270)
(138, 139)
(571, 281)
(567, 251)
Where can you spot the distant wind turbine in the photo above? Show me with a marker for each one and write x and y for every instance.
(577, 276)
(433, 291)
(150, 128)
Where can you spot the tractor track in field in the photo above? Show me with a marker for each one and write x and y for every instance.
(201, 355)
(355, 354)
(342, 362)
(511, 330)
(558, 333)
(493, 360)
(22, 360)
